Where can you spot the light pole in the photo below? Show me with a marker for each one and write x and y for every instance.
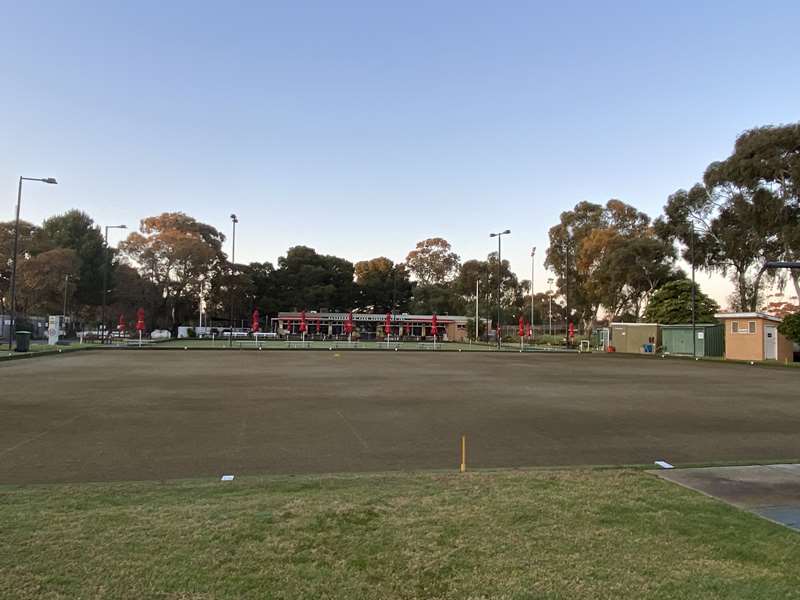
(694, 324)
(550, 298)
(533, 254)
(499, 237)
(66, 286)
(12, 331)
(234, 221)
(105, 279)
(477, 291)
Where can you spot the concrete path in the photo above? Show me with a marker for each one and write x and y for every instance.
(770, 491)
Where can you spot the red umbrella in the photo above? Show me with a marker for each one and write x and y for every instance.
(256, 325)
(348, 324)
(140, 320)
(303, 327)
(521, 327)
(387, 325)
(434, 324)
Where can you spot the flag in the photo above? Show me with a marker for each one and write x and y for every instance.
(140, 320)
(521, 327)
(387, 325)
(303, 327)
(256, 325)
(434, 325)
(571, 330)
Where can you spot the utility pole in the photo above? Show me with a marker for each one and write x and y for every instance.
(12, 330)
(498, 327)
(105, 280)
(234, 221)
(66, 285)
(533, 254)
(550, 308)
(477, 290)
(694, 324)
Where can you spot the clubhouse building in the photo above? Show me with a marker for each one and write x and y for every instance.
(372, 326)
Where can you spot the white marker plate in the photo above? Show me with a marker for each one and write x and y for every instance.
(227, 478)
(664, 464)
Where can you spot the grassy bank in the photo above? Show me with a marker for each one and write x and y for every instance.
(537, 534)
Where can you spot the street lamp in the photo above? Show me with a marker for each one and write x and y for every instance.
(12, 331)
(234, 221)
(533, 255)
(105, 279)
(499, 237)
(550, 298)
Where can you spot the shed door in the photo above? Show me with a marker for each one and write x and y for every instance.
(770, 343)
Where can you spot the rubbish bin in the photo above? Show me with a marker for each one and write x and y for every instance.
(23, 341)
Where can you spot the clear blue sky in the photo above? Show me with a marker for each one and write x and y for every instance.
(359, 128)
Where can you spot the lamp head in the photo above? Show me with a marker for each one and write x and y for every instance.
(50, 180)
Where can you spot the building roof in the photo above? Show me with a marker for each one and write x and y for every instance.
(310, 316)
(747, 315)
(689, 325)
(636, 324)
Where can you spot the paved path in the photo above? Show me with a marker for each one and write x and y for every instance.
(770, 491)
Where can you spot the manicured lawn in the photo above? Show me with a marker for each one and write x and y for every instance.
(571, 534)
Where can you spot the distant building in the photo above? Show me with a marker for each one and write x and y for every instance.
(754, 336)
(371, 326)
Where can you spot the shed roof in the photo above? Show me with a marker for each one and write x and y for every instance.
(748, 315)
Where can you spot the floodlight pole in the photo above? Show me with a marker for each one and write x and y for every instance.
(694, 318)
(12, 333)
(533, 255)
(234, 221)
(105, 280)
(66, 286)
(477, 292)
(499, 236)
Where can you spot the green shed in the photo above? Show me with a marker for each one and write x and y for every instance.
(677, 339)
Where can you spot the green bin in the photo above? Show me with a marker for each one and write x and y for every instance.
(23, 341)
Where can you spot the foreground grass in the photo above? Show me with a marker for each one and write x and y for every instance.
(541, 534)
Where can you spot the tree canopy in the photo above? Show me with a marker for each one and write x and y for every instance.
(672, 305)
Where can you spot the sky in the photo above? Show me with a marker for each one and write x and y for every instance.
(360, 128)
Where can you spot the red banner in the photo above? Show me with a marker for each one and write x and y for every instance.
(140, 320)
(387, 325)
(348, 324)
(256, 324)
(434, 325)
(303, 327)
(521, 327)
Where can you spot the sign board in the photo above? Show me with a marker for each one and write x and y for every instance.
(54, 329)
(701, 335)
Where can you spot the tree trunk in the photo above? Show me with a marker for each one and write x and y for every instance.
(795, 275)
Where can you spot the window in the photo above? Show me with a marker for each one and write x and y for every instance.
(734, 326)
(751, 326)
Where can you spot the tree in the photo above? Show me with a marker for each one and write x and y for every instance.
(382, 285)
(179, 255)
(432, 262)
(746, 212)
(41, 281)
(672, 304)
(77, 231)
(790, 327)
(27, 234)
(607, 256)
(307, 280)
(768, 158)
